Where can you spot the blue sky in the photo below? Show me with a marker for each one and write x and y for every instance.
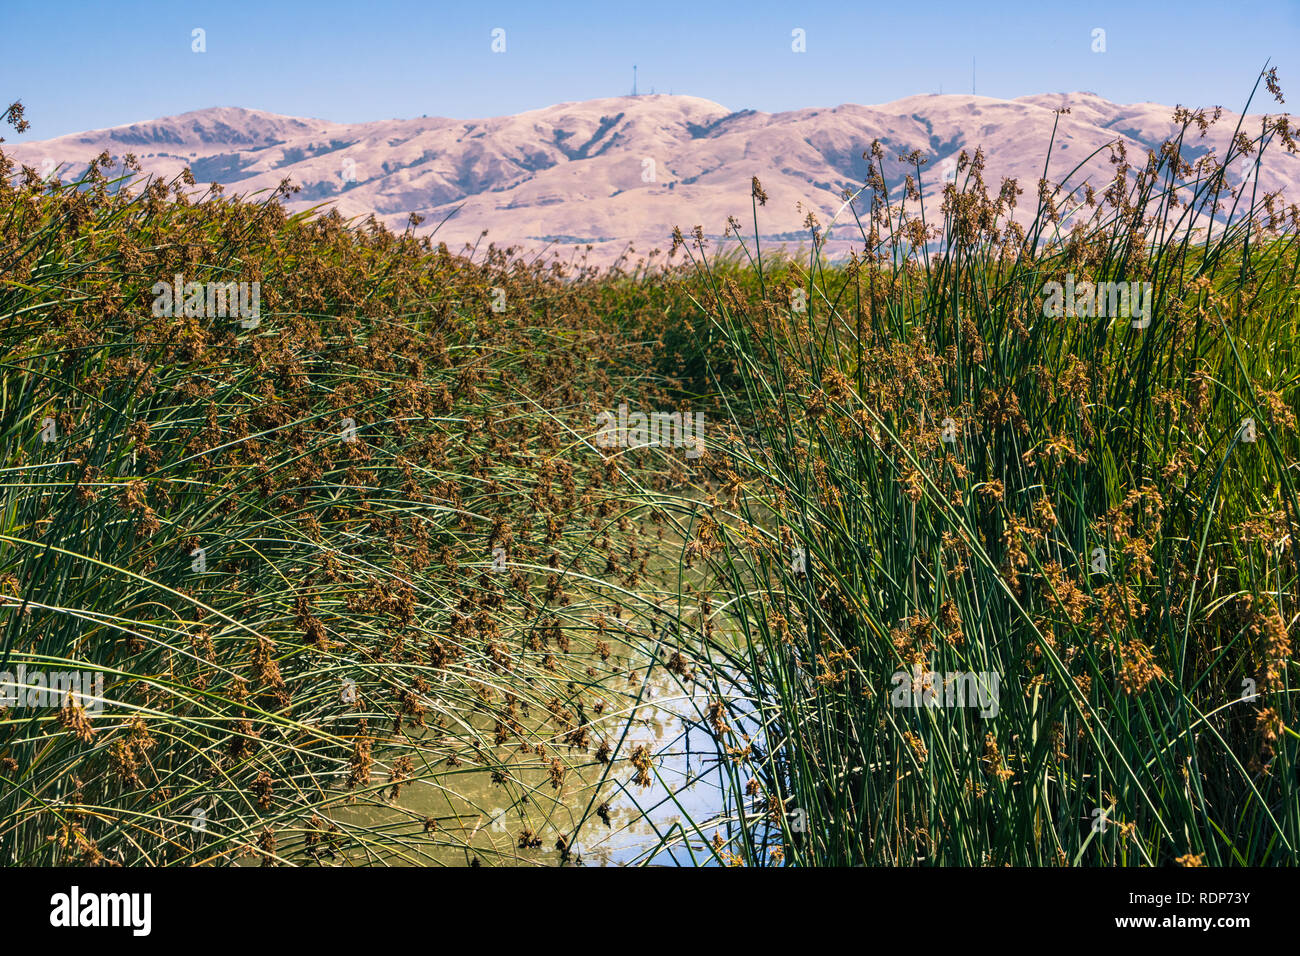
(81, 65)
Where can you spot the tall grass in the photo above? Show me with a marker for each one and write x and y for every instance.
(278, 542)
(911, 469)
(926, 469)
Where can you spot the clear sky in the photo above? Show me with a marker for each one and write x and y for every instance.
(85, 64)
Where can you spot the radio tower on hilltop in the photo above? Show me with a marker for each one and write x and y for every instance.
(634, 79)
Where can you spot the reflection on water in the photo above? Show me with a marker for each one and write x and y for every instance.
(637, 807)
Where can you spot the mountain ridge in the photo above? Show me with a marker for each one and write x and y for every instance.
(620, 171)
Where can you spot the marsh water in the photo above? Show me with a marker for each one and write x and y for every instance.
(660, 810)
(605, 817)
